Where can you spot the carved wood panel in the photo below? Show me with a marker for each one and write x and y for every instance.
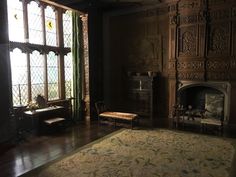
(188, 39)
(219, 39)
(219, 14)
(190, 75)
(217, 65)
(219, 76)
(172, 95)
(189, 4)
(234, 38)
(190, 65)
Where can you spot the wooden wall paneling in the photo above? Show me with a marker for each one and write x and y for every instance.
(233, 32)
(172, 95)
(219, 39)
(187, 41)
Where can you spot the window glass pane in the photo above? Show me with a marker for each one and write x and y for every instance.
(19, 77)
(50, 24)
(35, 23)
(52, 71)
(68, 75)
(37, 73)
(67, 28)
(15, 21)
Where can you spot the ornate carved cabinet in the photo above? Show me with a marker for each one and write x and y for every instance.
(141, 98)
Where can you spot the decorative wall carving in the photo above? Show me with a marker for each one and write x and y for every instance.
(188, 19)
(216, 2)
(219, 39)
(193, 65)
(222, 76)
(171, 65)
(193, 4)
(172, 8)
(188, 41)
(173, 19)
(219, 14)
(191, 75)
(233, 64)
(217, 65)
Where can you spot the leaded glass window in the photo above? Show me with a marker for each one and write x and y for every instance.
(68, 75)
(52, 73)
(15, 20)
(19, 77)
(35, 23)
(37, 73)
(50, 23)
(36, 62)
(67, 28)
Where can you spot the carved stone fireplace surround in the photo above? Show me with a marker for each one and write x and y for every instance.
(223, 87)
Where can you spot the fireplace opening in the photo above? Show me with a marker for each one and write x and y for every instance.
(202, 99)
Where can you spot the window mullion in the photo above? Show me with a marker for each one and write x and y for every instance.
(29, 77)
(25, 20)
(26, 36)
(61, 84)
(45, 56)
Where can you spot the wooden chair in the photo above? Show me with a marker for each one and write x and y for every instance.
(104, 112)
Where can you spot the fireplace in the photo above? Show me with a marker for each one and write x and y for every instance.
(213, 97)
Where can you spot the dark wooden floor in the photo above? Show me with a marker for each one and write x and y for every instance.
(35, 151)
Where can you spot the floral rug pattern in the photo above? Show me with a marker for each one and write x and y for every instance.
(148, 153)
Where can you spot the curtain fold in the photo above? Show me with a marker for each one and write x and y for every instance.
(77, 65)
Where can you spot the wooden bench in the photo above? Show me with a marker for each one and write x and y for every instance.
(103, 112)
(54, 123)
(119, 116)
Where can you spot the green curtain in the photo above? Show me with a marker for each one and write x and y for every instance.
(77, 65)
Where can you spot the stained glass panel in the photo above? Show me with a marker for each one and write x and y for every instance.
(68, 75)
(19, 77)
(15, 21)
(52, 70)
(50, 23)
(37, 74)
(67, 28)
(35, 23)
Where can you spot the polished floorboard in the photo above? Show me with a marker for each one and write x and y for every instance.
(34, 151)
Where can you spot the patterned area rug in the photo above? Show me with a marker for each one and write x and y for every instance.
(147, 153)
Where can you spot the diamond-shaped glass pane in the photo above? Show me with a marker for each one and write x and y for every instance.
(67, 28)
(50, 23)
(68, 74)
(19, 77)
(52, 71)
(35, 23)
(37, 74)
(15, 20)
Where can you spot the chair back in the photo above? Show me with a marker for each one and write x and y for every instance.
(100, 107)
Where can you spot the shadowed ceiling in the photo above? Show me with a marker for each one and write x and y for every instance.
(84, 5)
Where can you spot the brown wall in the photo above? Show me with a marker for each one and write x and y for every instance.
(186, 40)
(136, 42)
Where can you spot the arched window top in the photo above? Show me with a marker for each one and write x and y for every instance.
(15, 21)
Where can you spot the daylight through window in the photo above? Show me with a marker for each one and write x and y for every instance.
(40, 44)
